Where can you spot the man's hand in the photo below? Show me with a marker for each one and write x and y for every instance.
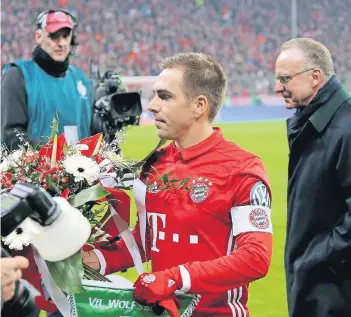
(91, 259)
(10, 273)
(152, 288)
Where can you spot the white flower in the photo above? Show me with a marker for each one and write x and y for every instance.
(82, 167)
(12, 160)
(100, 233)
(104, 238)
(81, 147)
(16, 156)
(105, 165)
(113, 157)
(4, 166)
(17, 239)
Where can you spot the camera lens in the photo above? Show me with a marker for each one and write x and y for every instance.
(22, 303)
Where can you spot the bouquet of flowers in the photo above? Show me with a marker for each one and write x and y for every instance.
(92, 175)
(85, 173)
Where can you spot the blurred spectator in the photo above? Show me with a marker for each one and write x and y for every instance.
(132, 36)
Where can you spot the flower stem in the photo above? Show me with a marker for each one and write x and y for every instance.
(92, 275)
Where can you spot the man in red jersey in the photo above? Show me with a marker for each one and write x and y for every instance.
(215, 238)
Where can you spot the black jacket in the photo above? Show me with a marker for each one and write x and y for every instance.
(318, 242)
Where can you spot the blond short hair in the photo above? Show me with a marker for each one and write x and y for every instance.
(202, 75)
(316, 54)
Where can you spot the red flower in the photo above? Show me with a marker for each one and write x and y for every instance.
(99, 159)
(5, 179)
(31, 158)
(65, 193)
(91, 142)
(46, 150)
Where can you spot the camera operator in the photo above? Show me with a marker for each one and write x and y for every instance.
(34, 91)
(10, 273)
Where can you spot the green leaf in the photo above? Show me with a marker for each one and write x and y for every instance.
(54, 127)
(96, 212)
(66, 149)
(68, 273)
(93, 193)
(184, 181)
(174, 180)
(53, 185)
(164, 178)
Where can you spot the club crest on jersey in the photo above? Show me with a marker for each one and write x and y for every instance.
(149, 278)
(259, 219)
(200, 189)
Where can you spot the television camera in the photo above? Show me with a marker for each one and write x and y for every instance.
(114, 107)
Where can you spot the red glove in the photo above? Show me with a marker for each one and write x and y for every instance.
(152, 288)
(171, 304)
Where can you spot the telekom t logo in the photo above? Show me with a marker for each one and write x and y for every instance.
(152, 219)
(160, 232)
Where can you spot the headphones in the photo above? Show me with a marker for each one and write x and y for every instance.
(42, 16)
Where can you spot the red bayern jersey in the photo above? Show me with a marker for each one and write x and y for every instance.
(218, 231)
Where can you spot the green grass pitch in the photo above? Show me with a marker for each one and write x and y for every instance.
(267, 297)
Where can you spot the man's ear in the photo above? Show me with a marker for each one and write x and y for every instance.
(317, 77)
(39, 36)
(201, 106)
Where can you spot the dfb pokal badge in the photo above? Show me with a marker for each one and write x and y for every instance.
(200, 189)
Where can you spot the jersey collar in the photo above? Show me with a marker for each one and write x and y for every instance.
(201, 148)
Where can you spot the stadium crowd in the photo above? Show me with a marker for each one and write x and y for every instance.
(132, 36)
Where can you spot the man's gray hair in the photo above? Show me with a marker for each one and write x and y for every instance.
(316, 54)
